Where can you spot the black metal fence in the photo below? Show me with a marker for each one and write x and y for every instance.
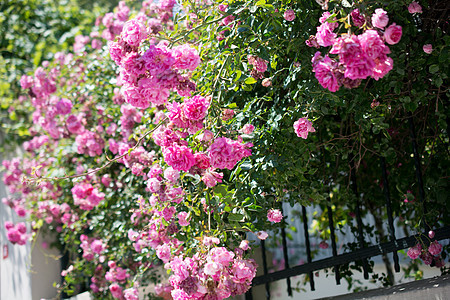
(365, 250)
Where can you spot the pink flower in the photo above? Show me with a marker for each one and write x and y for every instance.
(131, 294)
(74, 125)
(171, 175)
(221, 255)
(163, 252)
(206, 136)
(439, 262)
(183, 218)
(372, 45)
(325, 35)
(415, 251)
(158, 59)
(209, 240)
(116, 290)
(426, 257)
(435, 248)
(244, 270)
(289, 15)
(274, 215)
(323, 245)
(97, 246)
(168, 212)
(357, 18)
(244, 245)
(431, 234)
(357, 62)
(227, 114)
(90, 143)
(393, 34)
(302, 127)
(186, 58)
(266, 82)
(225, 153)
(248, 129)
(64, 106)
(428, 48)
(324, 72)
(382, 67)
(380, 18)
(134, 95)
(415, 7)
(179, 157)
(195, 108)
(211, 178)
(133, 32)
(262, 235)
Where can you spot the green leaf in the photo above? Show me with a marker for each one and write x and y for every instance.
(433, 69)
(250, 80)
(235, 217)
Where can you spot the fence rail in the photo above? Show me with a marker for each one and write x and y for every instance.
(365, 250)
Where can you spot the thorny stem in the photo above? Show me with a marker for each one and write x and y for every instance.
(110, 161)
(195, 28)
(209, 210)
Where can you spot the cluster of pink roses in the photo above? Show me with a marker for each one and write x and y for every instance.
(359, 56)
(58, 213)
(86, 196)
(428, 254)
(259, 66)
(91, 246)
(217, 274)
(190, 114)
(17, 234)
(148, 77)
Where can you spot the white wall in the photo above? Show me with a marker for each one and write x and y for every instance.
(26, 273)
(15, 279)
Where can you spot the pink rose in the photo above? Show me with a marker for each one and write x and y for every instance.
(325, 35)
(202, 160)
(415, 251)
(302, 127)
(415, 7)
(163, 252)
(435, 248)
(179, 157)
(211, 178)
(324, 71)
(244, 245)
(195, 108)
(248, 129)
(357, 18)
(186, 57)
(116, 290)
(289, 15)
(227, 114)
(133, 32)
(428, 48)
(183, 218)
(393, 34)
(323, 245)
(262, 235)
(274, 215)
(380, 18)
